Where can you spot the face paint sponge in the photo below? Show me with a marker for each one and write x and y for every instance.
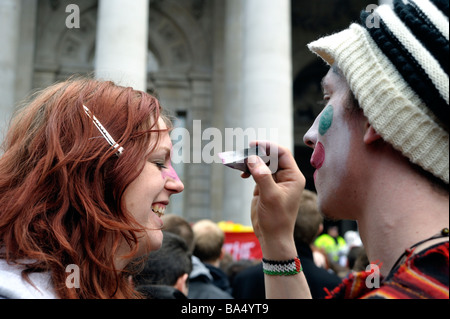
(238, 159)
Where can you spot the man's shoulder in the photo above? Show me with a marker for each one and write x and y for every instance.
(424, 275)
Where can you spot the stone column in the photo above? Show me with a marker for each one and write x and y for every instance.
(232, 108)
(259, 84)
(121, 47)
(267, 97)
(26, 49)
(9, 39)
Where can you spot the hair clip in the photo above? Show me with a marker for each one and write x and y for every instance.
(104, 132)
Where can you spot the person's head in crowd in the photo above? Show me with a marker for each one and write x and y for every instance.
(168, 266)
(180, 226)
(309, 222)
(209, 239)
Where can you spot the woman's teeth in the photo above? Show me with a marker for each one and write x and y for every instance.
(159, 209)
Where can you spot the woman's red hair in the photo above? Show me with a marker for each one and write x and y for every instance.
(61, 184)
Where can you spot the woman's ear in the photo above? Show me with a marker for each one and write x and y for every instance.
(371, 135)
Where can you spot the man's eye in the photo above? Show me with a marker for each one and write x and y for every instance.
(324, 101)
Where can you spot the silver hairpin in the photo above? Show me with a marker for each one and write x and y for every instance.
(104, 132)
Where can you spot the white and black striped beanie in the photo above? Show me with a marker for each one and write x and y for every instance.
(396, 62)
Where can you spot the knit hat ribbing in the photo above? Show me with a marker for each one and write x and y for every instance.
(398, 72)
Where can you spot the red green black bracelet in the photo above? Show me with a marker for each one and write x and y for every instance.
(282, 268)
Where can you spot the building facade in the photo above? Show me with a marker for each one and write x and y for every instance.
(229, 70)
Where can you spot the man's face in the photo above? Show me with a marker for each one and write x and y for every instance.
(337, 139)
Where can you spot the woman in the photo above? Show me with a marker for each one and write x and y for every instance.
(84, 179)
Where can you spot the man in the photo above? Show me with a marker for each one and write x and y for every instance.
(208, 247)
(201, 285)
(332, 244)
(381, 155)
(166, 271)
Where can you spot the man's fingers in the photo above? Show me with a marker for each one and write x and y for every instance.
(280, 157)
(260, 172)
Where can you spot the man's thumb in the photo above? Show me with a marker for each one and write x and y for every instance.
(260, 171)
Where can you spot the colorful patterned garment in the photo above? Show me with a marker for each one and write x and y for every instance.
(421, 276)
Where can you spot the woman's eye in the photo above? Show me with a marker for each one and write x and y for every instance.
(160, 165)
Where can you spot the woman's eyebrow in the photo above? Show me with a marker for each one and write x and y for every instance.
(163, 150)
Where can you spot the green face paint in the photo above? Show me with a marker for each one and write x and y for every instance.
(326, 120)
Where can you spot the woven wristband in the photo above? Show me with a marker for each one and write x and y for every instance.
(282, 268)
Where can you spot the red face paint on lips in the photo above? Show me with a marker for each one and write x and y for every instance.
(318, 157)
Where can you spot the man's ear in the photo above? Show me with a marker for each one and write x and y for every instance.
(182, 284)
(371, 135)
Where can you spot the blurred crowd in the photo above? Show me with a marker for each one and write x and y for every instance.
(192, 262)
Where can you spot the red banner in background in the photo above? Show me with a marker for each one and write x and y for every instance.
(242, 245)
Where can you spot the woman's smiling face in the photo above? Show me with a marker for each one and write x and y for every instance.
(148, 195)
(334, 137)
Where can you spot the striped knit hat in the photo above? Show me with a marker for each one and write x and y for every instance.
(396, 63)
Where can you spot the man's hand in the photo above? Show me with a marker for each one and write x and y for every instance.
(276, 200)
